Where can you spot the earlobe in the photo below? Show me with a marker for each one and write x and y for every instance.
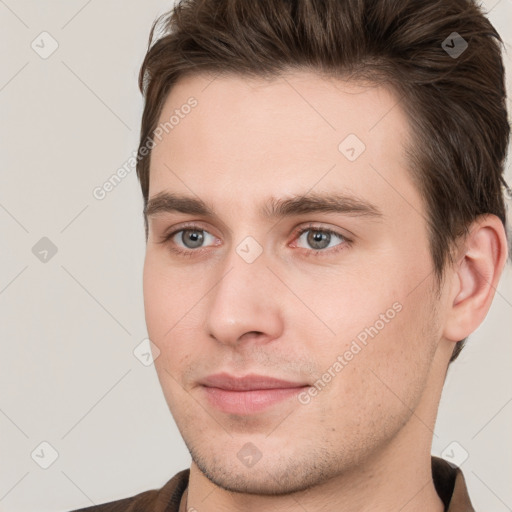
(477, 273)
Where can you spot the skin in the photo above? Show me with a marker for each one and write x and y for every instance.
(363, 442)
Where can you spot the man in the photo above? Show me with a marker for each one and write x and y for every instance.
(325, 227)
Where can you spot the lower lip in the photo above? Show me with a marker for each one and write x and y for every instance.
(248, 402)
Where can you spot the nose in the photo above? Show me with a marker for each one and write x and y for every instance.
(245, 303)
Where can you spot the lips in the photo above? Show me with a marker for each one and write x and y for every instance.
(249, 394)
(249, 382)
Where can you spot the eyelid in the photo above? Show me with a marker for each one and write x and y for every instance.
(315, 226)
(181, 227)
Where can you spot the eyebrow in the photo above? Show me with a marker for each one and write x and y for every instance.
(166, 202)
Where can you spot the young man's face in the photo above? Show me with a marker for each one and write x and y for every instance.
(355, 312)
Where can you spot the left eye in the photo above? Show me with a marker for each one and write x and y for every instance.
(192, 238)
(319, 239)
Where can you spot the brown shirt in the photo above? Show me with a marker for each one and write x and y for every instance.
(172, 497)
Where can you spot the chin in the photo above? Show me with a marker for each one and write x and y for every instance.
(281, 476)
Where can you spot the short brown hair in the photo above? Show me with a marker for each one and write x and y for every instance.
(456, 103)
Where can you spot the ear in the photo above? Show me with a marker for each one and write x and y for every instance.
(481, 258)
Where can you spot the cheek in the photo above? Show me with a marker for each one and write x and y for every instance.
(350, 307)
(157, 300)
(399, 357)
(383, 328)
(380, 381)
(167, 297)
(171, 308)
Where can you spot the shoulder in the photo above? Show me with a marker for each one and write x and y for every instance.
(167, 498)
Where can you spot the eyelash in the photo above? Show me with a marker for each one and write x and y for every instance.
(297, 234)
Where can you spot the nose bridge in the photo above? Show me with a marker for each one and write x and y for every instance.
(243, 299)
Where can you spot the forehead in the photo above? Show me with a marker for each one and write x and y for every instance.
(247, 137)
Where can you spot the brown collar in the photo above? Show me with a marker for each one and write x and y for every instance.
(451, 486)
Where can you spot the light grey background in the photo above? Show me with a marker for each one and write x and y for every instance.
(68, 375)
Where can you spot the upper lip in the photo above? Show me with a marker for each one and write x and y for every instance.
(248, 382)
